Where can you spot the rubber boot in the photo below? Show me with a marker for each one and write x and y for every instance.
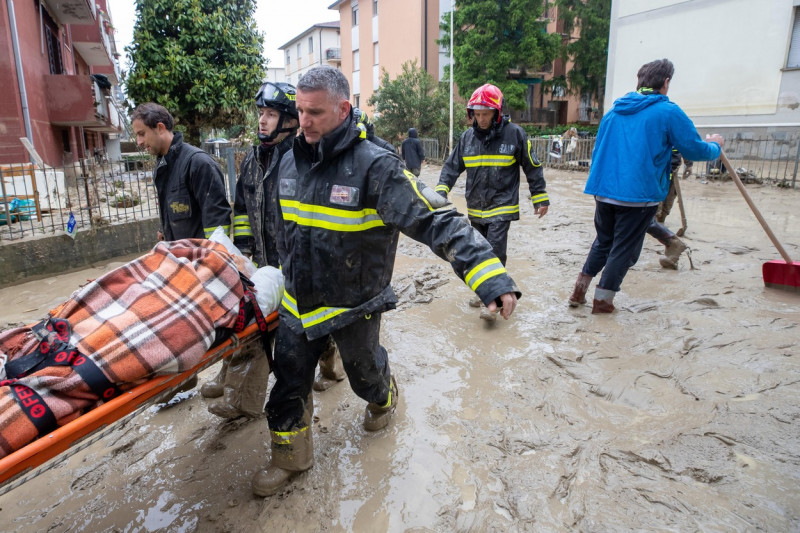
(377, 416)
(292, 453)
(487, 315)
(603, 301)
(672, 254)
(331, 369)
(475, 301)
(579, 292)
(215, 387)
(246, 380)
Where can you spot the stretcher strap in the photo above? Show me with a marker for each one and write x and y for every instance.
(34, 408)
(55, 350)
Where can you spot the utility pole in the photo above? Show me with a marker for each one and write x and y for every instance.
(452, 66)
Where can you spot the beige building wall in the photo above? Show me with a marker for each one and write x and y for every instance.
(397, 34)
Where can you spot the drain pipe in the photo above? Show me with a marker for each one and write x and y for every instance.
(12, 22)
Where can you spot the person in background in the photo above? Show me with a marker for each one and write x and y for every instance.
(492, 152)
(412, 152)
(628, 184)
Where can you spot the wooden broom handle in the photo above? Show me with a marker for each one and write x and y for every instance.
(735, 177)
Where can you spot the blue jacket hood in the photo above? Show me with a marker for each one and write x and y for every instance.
(634, 102)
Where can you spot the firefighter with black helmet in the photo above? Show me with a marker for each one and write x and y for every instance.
(492, 152)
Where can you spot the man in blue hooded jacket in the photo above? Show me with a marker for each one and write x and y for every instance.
(630, 175)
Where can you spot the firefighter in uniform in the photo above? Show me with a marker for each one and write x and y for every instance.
(189, 183)
(491, 152)
(343, 202)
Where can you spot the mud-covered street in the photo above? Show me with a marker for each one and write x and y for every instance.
(678, 412)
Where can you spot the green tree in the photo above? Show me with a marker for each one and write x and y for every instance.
(201, 59)
(497, 41)
(589, 52)
(412, 100)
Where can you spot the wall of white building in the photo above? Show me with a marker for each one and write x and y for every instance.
(729, 55)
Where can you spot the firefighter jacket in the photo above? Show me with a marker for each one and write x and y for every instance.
(191, 192)
(492, 161)
(255, 205)
(343, 203)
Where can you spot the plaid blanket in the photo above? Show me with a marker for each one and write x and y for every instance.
(157, 314)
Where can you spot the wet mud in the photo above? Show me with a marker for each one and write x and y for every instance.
(677, 412)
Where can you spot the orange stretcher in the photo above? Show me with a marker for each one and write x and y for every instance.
(58, 445)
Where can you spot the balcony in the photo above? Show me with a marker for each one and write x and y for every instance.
(73, 11)
(333, 55)
(77, 100)
(92, 43)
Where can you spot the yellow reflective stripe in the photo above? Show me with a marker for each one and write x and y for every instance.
(240, 231)
(363, 134)
(539, 198)
(286, 437)
(489, 161)
(330, 218)
(497, 211)
(413, 179)
(488, 269)
(442, 187)
(312, 318)
(241, 219)
(530, 157)
(209, 231)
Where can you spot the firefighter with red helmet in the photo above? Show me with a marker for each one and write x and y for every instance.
(492, 152)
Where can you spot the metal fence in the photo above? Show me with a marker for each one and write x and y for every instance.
(36, 201)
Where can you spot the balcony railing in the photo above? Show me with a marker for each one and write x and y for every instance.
(333, 54)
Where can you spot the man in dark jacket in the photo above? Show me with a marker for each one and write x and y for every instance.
(343, 202)
(189, 183)
(412, 152)
(492, 152)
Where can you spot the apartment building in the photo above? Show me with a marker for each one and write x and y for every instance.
(60, 73)
(316, 46)
(384, 34)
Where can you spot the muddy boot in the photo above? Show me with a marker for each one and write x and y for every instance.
(675, 248)
(246, 381)
(488, 315)
(475, 301)
(331, 369)
(603, 301)
(377, 416)
(215, 387)
(579, 293)
(292, 453)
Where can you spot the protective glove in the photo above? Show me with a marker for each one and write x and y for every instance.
(436, 200)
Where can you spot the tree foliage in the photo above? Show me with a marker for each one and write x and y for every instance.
(412, 100)
(494, 38)
(589, 52)
(201, 59)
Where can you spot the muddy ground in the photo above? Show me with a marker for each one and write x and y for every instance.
(679, 412)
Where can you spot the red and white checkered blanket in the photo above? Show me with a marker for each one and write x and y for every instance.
(154, 315)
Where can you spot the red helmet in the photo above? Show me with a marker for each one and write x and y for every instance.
(486, 97)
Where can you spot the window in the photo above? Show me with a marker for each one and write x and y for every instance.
(356, 60)
(299, 50)
(288, 58)
(793, 61)
(53, 44)
(356, 100)
(355, 14)
(374, 8)
(375, 53)
(311, 45)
